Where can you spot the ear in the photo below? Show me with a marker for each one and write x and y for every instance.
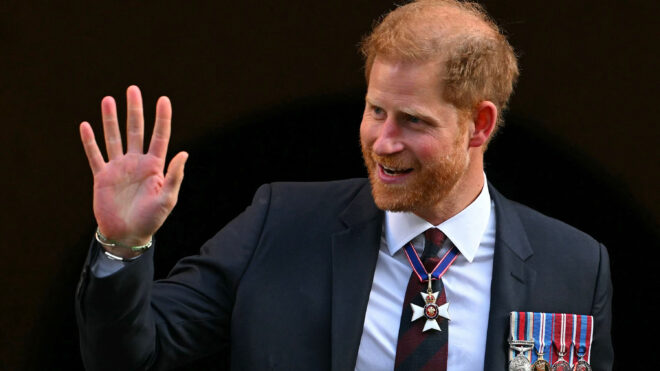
(484, 118)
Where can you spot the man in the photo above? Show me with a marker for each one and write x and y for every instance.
(317, 275)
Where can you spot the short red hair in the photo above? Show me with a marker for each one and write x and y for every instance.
(479, 62)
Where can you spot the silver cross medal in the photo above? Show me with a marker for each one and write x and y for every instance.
(431, 310)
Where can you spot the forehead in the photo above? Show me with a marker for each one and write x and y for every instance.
(398, 81)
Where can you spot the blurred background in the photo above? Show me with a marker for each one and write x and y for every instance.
(268, 91)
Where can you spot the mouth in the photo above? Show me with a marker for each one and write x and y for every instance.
(392, 171)
(393, 175)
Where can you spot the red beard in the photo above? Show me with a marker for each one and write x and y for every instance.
(427, 185)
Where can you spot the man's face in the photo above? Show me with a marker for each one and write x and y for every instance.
(413, 142)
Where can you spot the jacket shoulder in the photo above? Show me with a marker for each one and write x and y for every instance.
(330, 195)
(538, 226)
(547, 227)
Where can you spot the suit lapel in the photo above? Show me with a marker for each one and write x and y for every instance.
(513, 279)
(354, 256)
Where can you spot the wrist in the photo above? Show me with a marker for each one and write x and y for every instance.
(124, 241)
(122, 250)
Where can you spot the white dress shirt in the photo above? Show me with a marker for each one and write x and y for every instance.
(467, 285)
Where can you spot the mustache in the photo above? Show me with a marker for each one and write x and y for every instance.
(396, 161)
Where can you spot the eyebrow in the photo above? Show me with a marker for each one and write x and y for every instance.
(418, 114)
(410, 111)
(369, 102)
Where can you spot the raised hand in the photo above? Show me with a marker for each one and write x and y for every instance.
(132, 196)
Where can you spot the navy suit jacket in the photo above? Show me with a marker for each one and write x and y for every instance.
(285, 286)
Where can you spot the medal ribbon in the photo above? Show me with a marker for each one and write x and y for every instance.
(573, 337)
(542, 335)
(439, 270)
(522, 327)
(562, 335)
(512, 331)
(584, 336)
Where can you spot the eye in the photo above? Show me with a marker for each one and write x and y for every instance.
(377, 112)
(413, 119)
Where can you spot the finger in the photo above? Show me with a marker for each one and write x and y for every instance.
(161, 136)
(134, 120)
(173, 179)
(92, 151)
(111, 128)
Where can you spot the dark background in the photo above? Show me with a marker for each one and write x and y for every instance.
(267, 91)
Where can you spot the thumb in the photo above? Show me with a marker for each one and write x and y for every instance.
(173, 179)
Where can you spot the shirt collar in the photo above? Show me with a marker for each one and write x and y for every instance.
(464, 229)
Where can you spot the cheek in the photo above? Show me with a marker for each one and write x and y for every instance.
(426, 151)
(366, 132)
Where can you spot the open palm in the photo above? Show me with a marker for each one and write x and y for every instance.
(132, 196)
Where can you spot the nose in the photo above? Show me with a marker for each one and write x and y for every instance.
(388, 140)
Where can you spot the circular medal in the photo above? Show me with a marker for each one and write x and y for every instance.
(520, 363)
(541, 365)
(561, 365)
(582, 366)
(431, 311)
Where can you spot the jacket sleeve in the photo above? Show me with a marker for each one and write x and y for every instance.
(129, 322)
(602, 353)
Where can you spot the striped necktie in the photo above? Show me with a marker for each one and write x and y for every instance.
(418, 350)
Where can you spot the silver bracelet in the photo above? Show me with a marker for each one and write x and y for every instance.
(112, 256)
(103, 240)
